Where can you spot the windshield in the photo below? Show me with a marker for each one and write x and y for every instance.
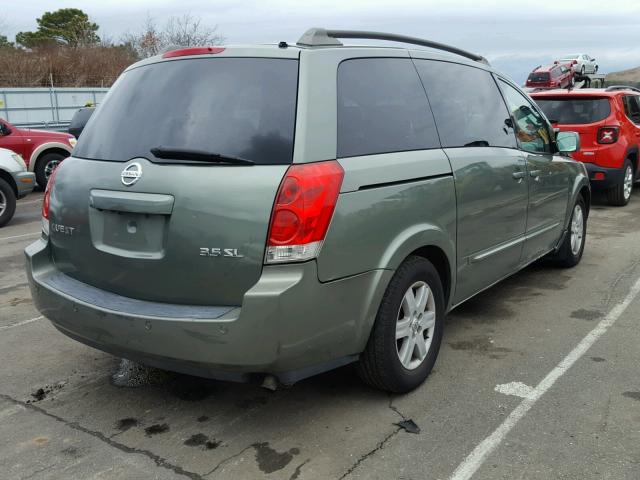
(240, 107)
(574, 110)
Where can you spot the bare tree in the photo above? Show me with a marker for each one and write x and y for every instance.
(184, 31)
(188, 31)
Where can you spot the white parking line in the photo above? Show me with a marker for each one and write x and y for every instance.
(21, 236)
(30, 202)
(18, 324)
(476, 458)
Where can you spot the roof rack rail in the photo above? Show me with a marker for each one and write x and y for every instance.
(614, 88)
(319, 37)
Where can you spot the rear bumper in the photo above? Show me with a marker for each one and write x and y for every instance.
(612, 176)
(25, 182)
(289, 324)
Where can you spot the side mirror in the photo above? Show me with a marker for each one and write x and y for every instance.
(568, 142)
(4, 130)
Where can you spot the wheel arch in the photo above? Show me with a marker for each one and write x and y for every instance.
(6, 176)
(430, 242)
(439, 259)
(45, 148)
(581, 187)
(632, 154)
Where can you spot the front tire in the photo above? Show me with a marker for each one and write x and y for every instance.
(407, 332)
(45, 166)
(621, 193)
(570, 252)
(7, 202)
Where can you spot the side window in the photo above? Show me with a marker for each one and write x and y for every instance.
(467, 105)
(382, 107)
(531, 127)
(632, 107)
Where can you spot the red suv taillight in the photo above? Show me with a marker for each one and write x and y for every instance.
(46, 201)
(608, 134)
(302, 211)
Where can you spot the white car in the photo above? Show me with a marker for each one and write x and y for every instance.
(15, 182)
(581, 62)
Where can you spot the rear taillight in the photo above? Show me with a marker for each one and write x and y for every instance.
(47, 200)
(608, 134)
(302, 211)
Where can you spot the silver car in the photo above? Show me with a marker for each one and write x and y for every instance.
(581, 62)
(15, 182)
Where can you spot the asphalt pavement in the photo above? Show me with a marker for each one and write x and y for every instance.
(537, 378)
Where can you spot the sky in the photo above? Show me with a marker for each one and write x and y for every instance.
(514, 36)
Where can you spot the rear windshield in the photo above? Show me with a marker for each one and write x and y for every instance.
(574, 110)
(242, 107)
(539, 77)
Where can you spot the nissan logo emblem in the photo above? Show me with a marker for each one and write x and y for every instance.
(131, 174)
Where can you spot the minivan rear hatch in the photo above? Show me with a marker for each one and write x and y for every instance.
(187, 223)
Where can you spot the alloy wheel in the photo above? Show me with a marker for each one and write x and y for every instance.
(50, 167)
(3, 202)
(577, 230)
(415, 325)
(628, 182)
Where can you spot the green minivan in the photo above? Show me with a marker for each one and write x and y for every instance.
(281, 210)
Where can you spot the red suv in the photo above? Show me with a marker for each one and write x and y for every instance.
(608, 121)
(42, 150)
(557, 75)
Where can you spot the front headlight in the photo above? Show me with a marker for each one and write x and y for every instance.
(19, 160)
(73, 142)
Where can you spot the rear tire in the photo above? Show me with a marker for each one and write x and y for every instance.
(621, 193)
(45, 165)
(570, 252)
(394, 359)
(7, 202)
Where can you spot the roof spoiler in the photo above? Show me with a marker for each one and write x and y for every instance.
(319, 37)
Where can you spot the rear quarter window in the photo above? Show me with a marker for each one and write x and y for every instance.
(382, 108)
(576, 110)
(632, 107)
(243, 107)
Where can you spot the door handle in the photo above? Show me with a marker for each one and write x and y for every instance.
(518, 176)
(535, 174)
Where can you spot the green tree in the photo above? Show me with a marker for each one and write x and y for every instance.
(4, 42)
(66, 26)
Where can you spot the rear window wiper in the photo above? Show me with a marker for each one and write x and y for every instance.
(177, 153)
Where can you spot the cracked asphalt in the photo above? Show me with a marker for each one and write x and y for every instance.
(62, 416)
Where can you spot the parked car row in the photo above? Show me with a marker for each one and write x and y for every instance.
(317, 204)
(27, 156)
(42, 150)
(301, 207)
